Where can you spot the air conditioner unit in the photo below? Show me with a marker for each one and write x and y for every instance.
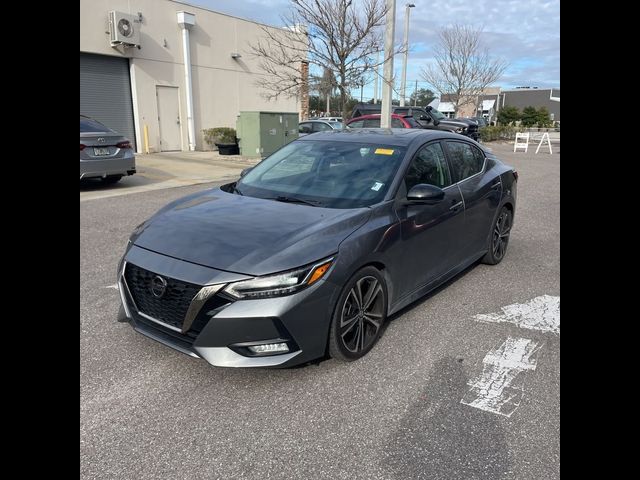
(123, 30)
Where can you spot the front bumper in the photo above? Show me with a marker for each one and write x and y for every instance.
(223, 327)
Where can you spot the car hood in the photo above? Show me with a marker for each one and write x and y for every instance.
(246, 235)
(455, 123)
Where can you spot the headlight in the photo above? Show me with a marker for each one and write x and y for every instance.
(280, 284)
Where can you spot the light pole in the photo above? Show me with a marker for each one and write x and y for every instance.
(405, 46)
(387, 80)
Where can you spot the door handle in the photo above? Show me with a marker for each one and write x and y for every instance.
(456, 206)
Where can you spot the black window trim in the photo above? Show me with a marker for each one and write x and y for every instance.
(448, 154)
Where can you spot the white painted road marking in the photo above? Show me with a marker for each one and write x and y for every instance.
(114, 286)
(540, 313)
(499, 388)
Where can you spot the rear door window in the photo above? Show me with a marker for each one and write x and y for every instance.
(465, 160)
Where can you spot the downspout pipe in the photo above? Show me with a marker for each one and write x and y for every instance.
(187, 20)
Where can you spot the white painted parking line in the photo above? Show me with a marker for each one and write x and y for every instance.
(540, 313)
(114, 286)
(500, 386)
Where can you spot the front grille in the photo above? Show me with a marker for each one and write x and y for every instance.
(172, 307)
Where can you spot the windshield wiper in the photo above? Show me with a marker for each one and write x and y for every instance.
(282, 198)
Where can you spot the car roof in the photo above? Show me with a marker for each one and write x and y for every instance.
(377, 115)
(317, 120)
(401, 137)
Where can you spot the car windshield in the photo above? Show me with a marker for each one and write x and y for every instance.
(88, 125)
(325, 173)
(436, 114)
(411, 121)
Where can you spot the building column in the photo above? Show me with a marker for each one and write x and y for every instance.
(186, 21)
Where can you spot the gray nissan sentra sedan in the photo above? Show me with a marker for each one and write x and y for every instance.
(312, 249)
(104, 153)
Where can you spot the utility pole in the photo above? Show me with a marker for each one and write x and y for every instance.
(405, 47)
(375, 78)
(415, 95)
(387, 81)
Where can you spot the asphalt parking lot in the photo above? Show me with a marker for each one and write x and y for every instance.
(148, 412)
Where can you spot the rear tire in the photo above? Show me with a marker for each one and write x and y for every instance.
(109, 179)
(499, 237)
(359, 316)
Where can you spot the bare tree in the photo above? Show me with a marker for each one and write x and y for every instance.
(462, 68)
(339, 36)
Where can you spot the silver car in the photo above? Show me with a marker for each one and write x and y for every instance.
(320, 125)
(104, 153)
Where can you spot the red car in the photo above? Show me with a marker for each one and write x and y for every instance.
(373, 121)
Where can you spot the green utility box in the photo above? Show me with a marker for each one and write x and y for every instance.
(262, 133)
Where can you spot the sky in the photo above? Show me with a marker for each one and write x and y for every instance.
(524, 33)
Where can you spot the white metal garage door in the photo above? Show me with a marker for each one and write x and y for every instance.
(105, 92)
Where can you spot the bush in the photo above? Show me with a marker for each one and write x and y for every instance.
(508, 114)
(502, 132)
(219, 135)
(529, 116)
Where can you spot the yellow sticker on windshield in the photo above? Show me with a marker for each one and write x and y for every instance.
(384, 151)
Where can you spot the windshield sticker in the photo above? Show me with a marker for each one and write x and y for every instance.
(377, 186)
(384, 151)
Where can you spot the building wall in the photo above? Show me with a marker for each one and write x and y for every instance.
(537, 98)
(222, 86)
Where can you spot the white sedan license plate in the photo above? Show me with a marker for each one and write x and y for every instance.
(100, 151)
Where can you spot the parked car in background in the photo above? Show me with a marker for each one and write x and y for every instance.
(427, 117)
(311, 250)
(104, 153)
(332, 119)
(373, 121)
(313, 126)
(480, 121)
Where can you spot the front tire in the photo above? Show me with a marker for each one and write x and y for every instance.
(359, 315)
(499, 237)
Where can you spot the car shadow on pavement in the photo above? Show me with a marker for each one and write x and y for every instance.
(432, 293)
(439, 438)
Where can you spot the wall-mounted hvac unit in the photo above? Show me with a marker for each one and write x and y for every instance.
(123, 29)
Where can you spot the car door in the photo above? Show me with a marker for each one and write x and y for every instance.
(430, 234)
(481, 191)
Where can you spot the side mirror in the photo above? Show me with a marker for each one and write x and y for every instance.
(425, 194)
(245, 171)
(425, 118)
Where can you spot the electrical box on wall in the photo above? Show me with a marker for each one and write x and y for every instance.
(123, 30)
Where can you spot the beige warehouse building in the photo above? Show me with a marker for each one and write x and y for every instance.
(133, 76)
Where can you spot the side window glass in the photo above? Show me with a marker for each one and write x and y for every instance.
(356, 124)
(304, 128)
(428, 166)
(320, 127)
(464, 161)
(372, 123)
(396, 123)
